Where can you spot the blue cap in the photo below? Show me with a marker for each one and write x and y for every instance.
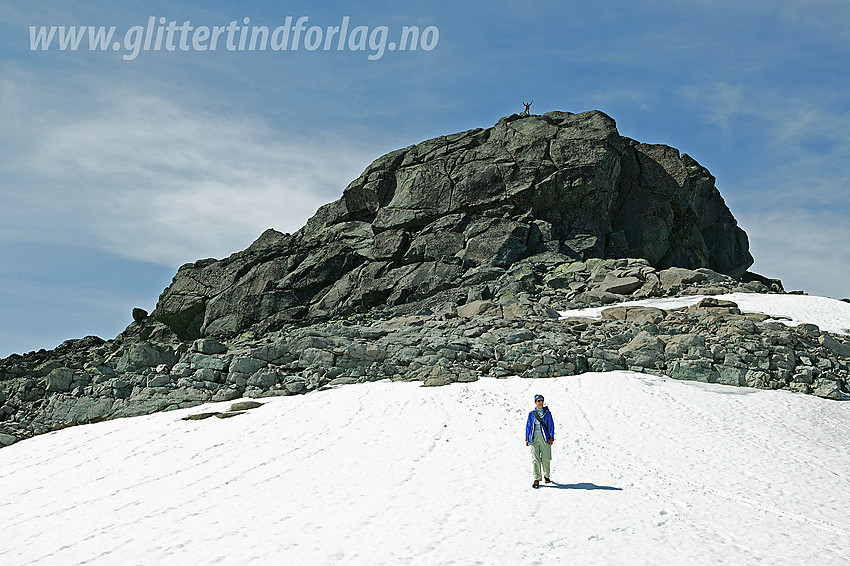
(536, 397)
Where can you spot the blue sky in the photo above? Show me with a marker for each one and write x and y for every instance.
(113, 173)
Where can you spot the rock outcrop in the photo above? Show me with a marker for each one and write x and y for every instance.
(446, 262)
(464, 207)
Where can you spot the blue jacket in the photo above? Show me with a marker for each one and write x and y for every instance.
(548, 430)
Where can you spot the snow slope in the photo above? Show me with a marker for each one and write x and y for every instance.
(831, 315)
(648, 471)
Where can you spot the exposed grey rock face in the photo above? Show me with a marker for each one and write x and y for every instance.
(430, 217)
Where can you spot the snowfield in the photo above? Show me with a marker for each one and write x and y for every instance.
(648, 470)
(828, 314)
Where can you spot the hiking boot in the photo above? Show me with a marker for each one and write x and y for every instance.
(547, 480)
(536, 484)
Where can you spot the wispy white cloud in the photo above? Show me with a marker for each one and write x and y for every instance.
(828, 18)
(156, 180)
(805, 249)
(720, 103)
(803, 140)
(632, 97)
(793, 197)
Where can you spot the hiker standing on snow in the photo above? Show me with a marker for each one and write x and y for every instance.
(540, 434)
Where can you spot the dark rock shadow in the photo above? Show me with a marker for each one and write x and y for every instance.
(587, 486)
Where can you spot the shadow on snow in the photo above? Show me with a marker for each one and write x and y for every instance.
(587, 486)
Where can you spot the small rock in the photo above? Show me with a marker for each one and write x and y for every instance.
(7, 439)
(643, 341)
(712, 302)
(839, 348)
(245, 406)
(208, 346)
(694, 370)
(598, 296)
(159, 380)
(637, 315)
(620, 285)
(728, 375)
(229, 414)
(828, 388)
(810, 330)
(478, 308)
(298, 385)
(59, 379)
(678, 277)
(200, 416)
(264, 378)
(145, 355)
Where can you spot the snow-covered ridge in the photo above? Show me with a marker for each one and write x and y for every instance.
(828, 314)
(648, 471)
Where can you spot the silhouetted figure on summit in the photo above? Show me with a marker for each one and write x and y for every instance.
(527, 106)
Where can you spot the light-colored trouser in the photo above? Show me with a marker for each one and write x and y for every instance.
(541, 453)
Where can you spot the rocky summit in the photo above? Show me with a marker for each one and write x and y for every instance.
(448, 261)
(463, 208)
